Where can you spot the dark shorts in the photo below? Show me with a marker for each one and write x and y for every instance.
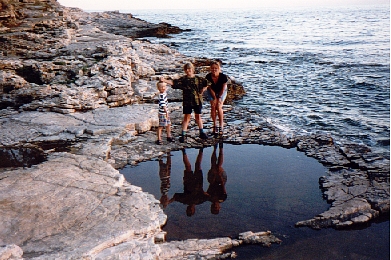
(189, 109)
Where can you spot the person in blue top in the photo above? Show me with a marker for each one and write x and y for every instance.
(217, 92)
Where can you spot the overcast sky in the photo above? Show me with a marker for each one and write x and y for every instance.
(204, 4)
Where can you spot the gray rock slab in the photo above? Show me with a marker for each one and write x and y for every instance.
(32, 126)
(70, 206)
(11, 252)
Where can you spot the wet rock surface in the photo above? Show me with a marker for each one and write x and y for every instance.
(78, 103)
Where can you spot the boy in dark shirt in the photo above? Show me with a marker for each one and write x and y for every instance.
(192, 87)
(193, 191)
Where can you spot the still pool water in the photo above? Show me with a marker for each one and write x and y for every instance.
(256, 188)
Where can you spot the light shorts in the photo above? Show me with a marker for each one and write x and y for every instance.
(163, 120)
(210, 98)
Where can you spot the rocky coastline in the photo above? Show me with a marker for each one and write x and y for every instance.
(77, 104)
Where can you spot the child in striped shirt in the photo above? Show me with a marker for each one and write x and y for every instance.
(164, 116)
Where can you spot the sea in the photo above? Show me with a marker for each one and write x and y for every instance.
(305, 69)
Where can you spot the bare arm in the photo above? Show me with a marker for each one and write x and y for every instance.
(168, 81)
(204, 89)
(223, 89)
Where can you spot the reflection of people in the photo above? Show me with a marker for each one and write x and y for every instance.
(164, 174)
(192, 88)
(193, 190)
(217, 92)
(217, 178)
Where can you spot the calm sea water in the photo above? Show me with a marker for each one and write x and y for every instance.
(306, 70)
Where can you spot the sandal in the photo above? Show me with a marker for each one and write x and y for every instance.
(215, 131)
(203, 136)
(170, 139)
(219, 131)
(159, 142)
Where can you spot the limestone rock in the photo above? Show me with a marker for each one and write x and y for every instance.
(343, 214)
(10, 252)
(70, 204)
(65, 60)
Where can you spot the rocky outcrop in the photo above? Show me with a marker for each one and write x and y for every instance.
(11, 252)
(356, 197)
(193, 248)
(131, 26)
(66, 204)
(65, 60)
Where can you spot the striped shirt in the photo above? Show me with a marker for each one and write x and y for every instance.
(163, 102)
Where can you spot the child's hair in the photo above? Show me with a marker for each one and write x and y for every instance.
(188, 66)
(160, 83)
(215, 63)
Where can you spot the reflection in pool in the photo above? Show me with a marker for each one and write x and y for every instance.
(228, 189)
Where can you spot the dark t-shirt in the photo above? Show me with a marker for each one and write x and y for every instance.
(218, 86)
(216, 189)
(191, 88)
(193, 191)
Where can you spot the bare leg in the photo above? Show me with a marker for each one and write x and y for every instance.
(213, 158)
(221, 115)
(199, 160)
(168, 129)
(213, 114)
(159, 133)
(185, 122)
(186, 161)
(221, 157)
(198, 121)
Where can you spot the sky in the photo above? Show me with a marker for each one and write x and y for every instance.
(111, 5)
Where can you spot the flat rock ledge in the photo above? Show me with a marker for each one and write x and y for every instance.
(72, 203)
